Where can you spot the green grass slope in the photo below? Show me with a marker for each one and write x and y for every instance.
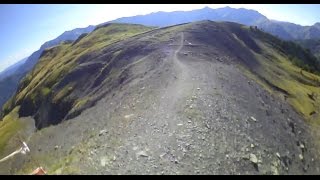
(48, 82)
(289, 71)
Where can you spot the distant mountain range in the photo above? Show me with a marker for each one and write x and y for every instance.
(12, 69)
(284, 30)
(243, 16)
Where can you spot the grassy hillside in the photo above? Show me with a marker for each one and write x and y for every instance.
(312, 45)
(286, 70)
(47, 82)
(13, 130)
(9, 126)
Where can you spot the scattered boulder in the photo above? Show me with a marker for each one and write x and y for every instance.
(302, 147)
(253, 119)
(274, 170)
(128, 116)
(103, 161)
(142, 154)
(253, 158)
(102, 132)
(176, 161)
(301, 157)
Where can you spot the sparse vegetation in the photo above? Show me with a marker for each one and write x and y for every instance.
(293, 52)
(284, 73)
(9, 126)
(80, 103)
(45, 91)
(56, 62)
(52, 164)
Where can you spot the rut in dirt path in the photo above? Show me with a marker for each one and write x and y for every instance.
(180, 88)
(183, 78)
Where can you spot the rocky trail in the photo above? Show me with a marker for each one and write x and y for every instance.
(198, 121)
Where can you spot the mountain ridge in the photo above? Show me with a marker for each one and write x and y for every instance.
(225, 14)
(11, 69)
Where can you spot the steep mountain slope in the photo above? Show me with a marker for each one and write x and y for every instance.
(11, 82)
(284, 30)
(66, 36)
(58, 84)
(312, 44)
(197, 98)
(290, 31)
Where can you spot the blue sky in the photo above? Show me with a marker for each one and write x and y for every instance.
(24, 28)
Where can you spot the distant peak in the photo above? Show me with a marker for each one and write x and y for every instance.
(317, 24)
(206, 8)
(227, 7)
